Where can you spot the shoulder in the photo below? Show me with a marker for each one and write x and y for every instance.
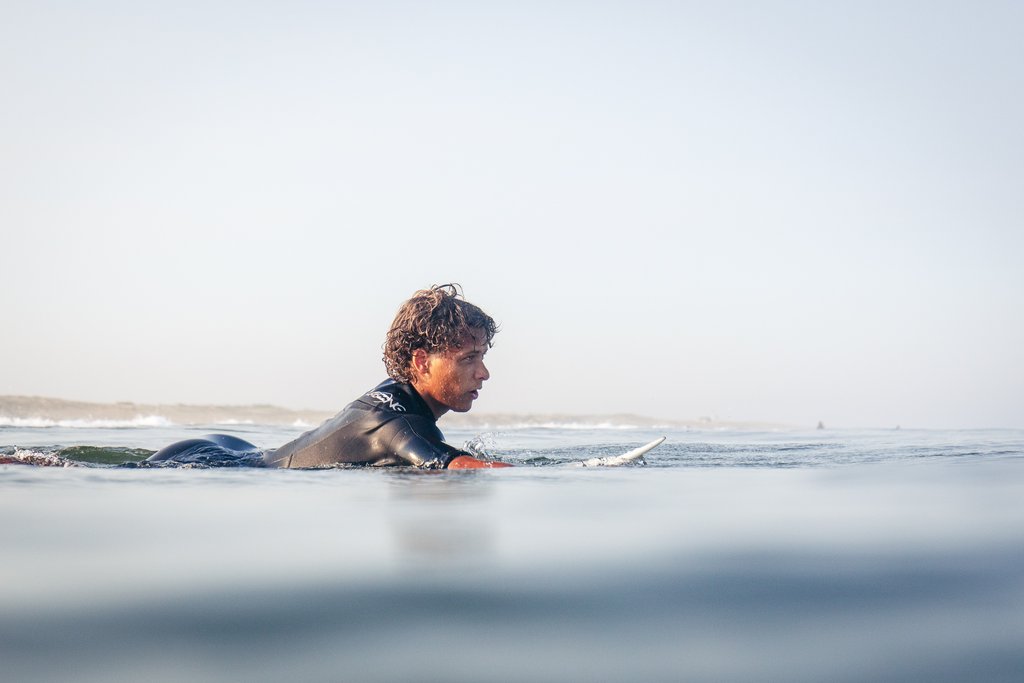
(384, 400)
(397, 398)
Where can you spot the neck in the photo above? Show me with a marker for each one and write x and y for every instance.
(436, 408)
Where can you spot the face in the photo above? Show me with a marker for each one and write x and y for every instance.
(451, 380)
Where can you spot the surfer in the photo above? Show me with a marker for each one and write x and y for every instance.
(434, 354)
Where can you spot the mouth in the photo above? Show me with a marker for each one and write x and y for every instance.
(475, 394)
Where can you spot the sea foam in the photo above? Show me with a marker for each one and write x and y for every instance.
(43, 422)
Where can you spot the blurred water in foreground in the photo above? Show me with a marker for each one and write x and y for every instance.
(730, 557)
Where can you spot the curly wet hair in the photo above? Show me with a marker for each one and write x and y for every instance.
(434, 320)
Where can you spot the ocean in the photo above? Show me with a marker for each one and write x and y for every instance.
(728, 555)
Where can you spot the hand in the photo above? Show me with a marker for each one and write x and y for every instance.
(468, 462)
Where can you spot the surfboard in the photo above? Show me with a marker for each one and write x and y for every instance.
(617, 460)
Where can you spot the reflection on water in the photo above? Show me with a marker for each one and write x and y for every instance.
(436, 519)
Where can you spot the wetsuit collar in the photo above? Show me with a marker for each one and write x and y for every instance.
(415, 395)
(415, 402)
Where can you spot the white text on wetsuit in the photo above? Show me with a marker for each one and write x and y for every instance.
(387, 399)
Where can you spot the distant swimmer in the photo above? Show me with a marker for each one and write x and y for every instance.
(434, 354)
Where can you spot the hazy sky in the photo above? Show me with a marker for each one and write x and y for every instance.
(785, 211)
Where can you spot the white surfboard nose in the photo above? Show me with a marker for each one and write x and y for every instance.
(616, 460)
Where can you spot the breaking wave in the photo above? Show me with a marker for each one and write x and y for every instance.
(43, 422)
(569, 426)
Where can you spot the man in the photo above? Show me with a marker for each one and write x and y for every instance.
(434, 354)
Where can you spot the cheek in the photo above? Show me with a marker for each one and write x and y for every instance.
(449, 380)
(456, 380)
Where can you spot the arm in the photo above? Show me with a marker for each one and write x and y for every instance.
(419, 444)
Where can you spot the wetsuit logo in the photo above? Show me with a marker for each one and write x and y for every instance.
(387, 399)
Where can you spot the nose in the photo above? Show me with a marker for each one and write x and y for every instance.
(482, 373)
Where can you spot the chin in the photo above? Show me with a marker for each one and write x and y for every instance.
(461, 407)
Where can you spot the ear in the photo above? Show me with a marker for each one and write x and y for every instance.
(420, 364)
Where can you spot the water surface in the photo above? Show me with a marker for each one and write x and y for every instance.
(738, 556)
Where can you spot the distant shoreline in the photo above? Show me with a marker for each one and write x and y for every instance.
(29, 410)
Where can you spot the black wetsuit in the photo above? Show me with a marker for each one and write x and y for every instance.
(389, 425)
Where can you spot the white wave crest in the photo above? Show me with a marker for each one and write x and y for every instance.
(559, 425)
(43, 422)
(37, 458)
